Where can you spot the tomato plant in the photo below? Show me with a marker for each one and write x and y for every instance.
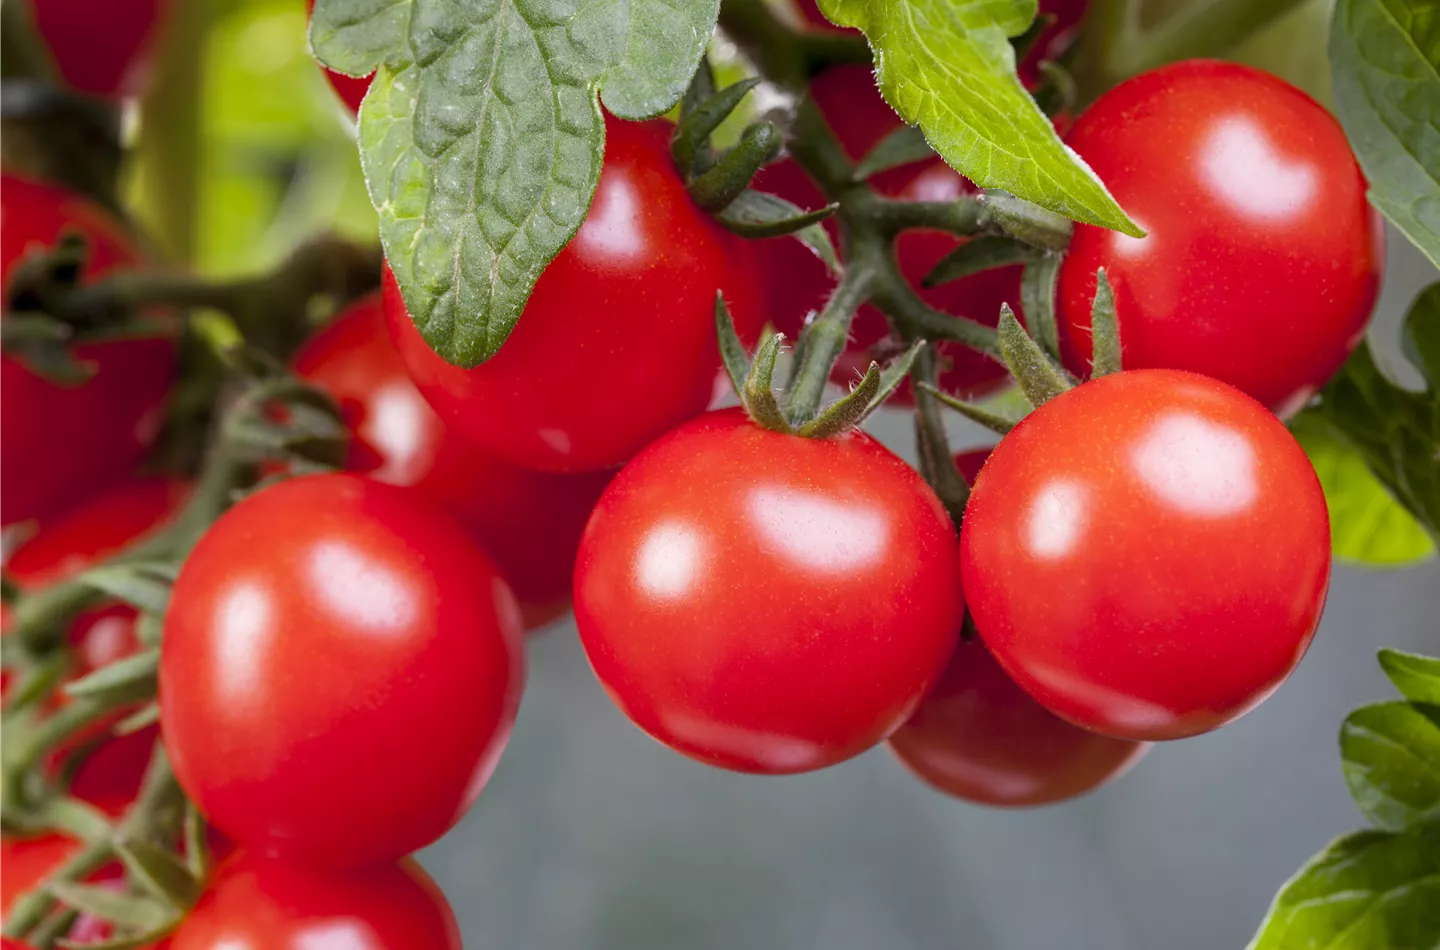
(528, 521)
(1189, 534)
(763, 602)
(100, 47)
(617, 343)
(313, 576)
(259, 904)
(115, 414)
(1263, 259)
(27, 862)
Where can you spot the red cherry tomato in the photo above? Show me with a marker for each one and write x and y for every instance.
(1263, 259)
(340, 670)
(530, 522)
(101, 47)
(259, 904)
(350, 90)
(62, 442)
(1184, 539)
(765, 602)
(797, 283)
(617, 343)
(979, 737)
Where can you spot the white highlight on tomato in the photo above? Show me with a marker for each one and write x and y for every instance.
(817, 532)
(359, 589)
(1241, 165)
(669, 558)
(1057, 517)
(1196, 466)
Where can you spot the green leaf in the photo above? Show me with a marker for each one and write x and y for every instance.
(1385, 58)
(129, 910)
(1416, 677)
(482, 135)
(732, 351)
(1391, 758)
(905, 146)
(1037, 299)
(160, 873)
(948, 67)
(1371, 890)
(1367, 525)
(690, 145)
(1420, 336)
(134, 676)
(1032, 369)
(993, 421)
(144, 586)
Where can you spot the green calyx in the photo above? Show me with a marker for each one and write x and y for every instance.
(753, 380)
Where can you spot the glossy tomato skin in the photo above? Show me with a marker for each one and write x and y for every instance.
(61, 442)
(529, 522)
(350, 89)
(1183, 538)
(1263, 260)
(100, 47)
(617, 342)
(340, 671)
(260, 904)
(979, 737)
(763, 602)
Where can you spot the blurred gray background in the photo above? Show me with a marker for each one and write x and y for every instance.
(591, 835)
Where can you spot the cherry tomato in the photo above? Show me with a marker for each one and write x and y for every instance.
(101, 47)
(350, 90)
(340, 671)
(617, 343)
(1263, 259)
(765, 602)
(7, 944)
(260, 904)
(1184, 538)
(980, 737)
(62, 442)
(529, 522)
(796, 282)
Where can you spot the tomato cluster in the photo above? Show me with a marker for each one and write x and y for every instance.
(1144, 557)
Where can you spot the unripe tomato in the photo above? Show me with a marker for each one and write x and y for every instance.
(1263, 259)
(796, 282)
(617, 342)
(100, 47)
(62, 442)
(529, 522)
(259, 904)
(1148, 554)
(979, 737)
(350, 90)
(340, 671)
(765, 602)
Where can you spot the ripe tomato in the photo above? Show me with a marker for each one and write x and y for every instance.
(101, 47)
(617, 343)
(796, 282)
(62, 442)
(980, 737)
(260, 904)
(530, 522)
(1184, 539)
(1263, 259)
(350, 90)
(765, 602)
(340, 671)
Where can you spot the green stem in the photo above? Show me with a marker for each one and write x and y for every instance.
(918, 320)
(770, 43)
(937, 463)
(963, 217)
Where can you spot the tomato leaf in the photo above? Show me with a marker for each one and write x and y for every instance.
(1367, 525)
(976, 255)
(1391, 757)
(482, 136)
(160, 873)
(948, 67)
(129, 910)
(1417, 677)
(1367, 890)
(1385, 56)
(905, 146)
(134, 677)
